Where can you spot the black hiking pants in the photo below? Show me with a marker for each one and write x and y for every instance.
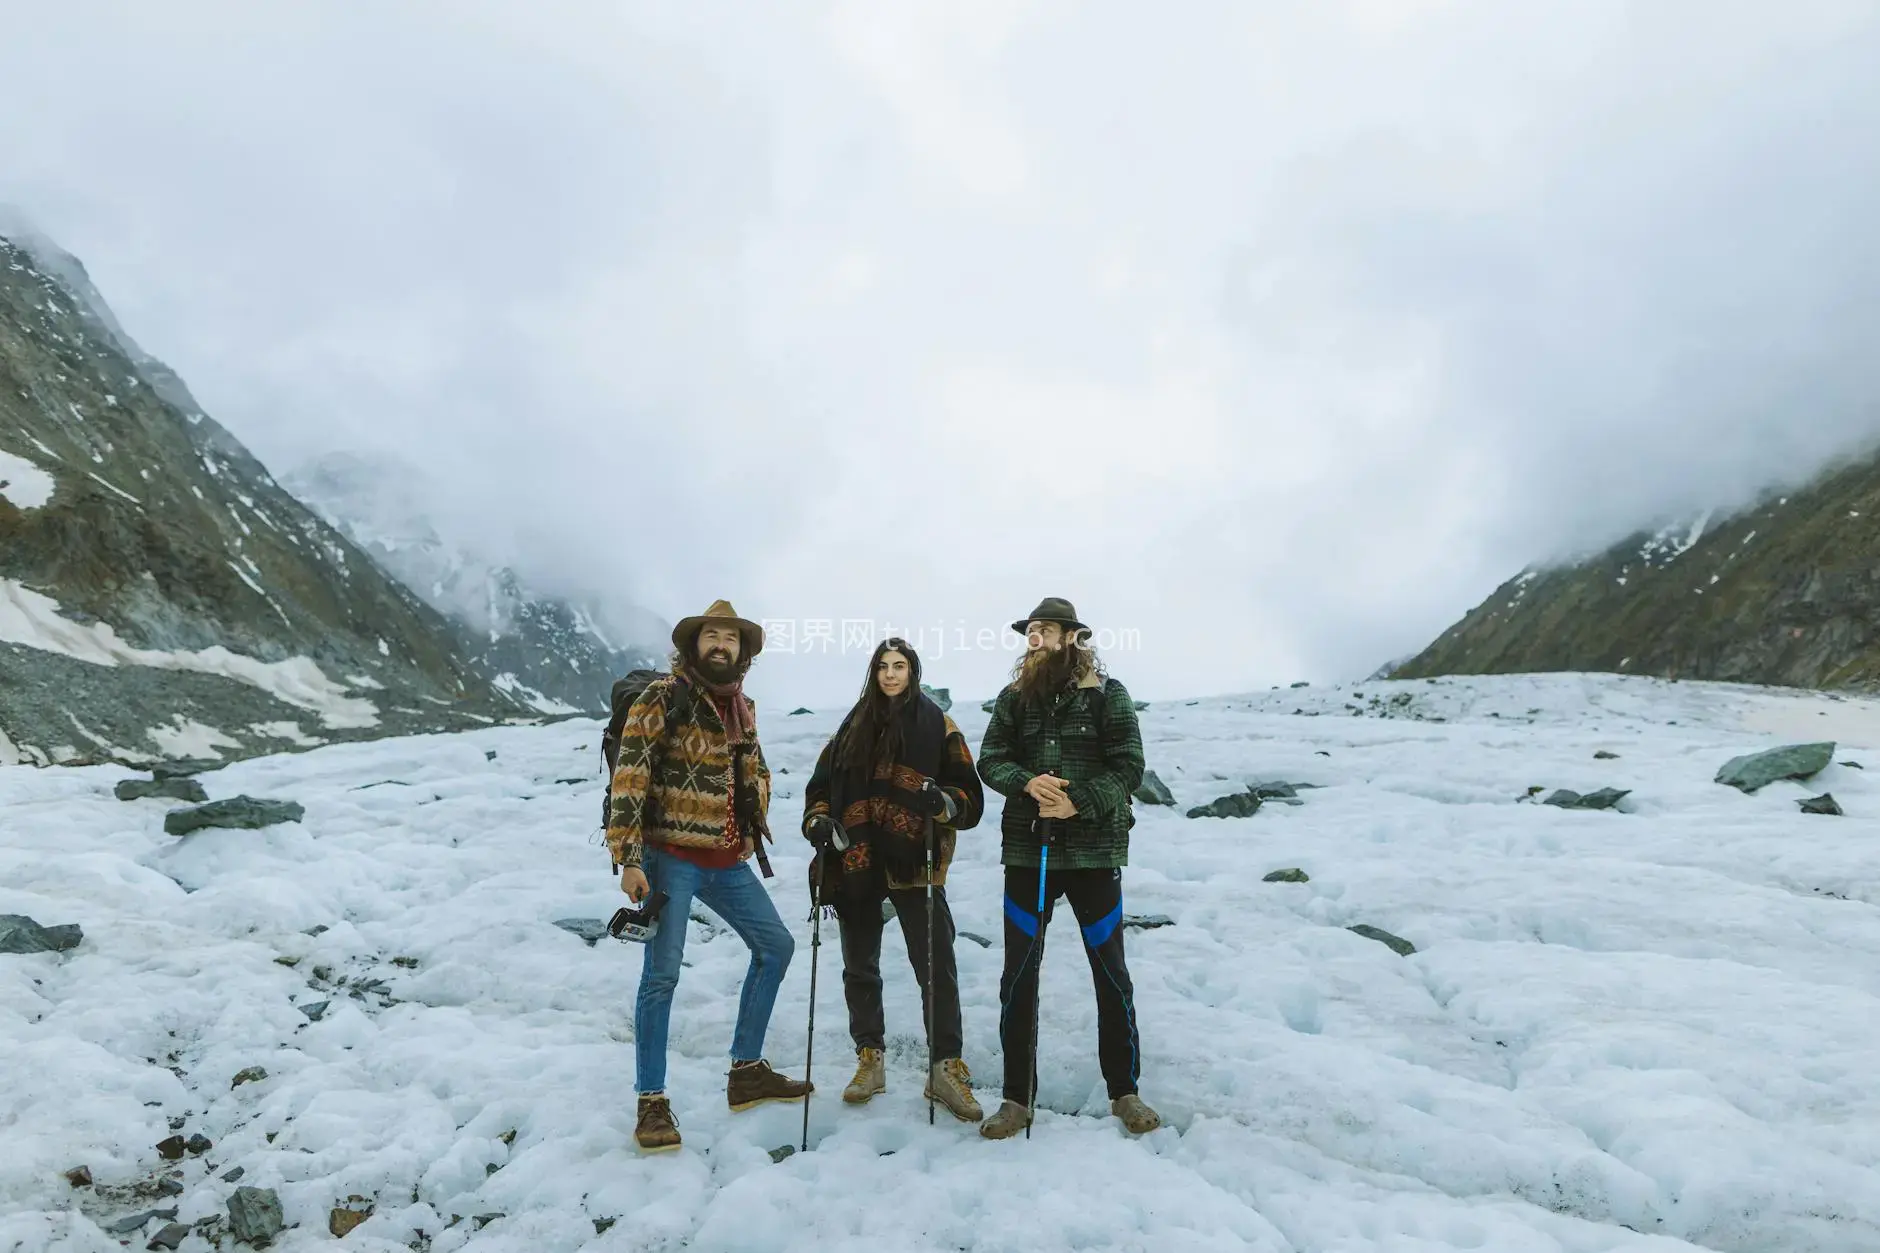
(1096, 898)
(861, 972)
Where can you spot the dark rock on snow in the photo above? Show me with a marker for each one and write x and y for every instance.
(940, 696)
(171, 1149)
(254, 1215)
(137, 1222)
(251, 1074)
(976, 938)
(1754, 771)
(1605, 798)
(1234, 805)
(800, 710)
(1823, 804)
(589, 929)
(316, 1011)
(165, 789)
(1603, 755)
(1153, 791)
(79, 1176)
(244, 813)
(1147, 922)
(1293, 875)
(199, 1143)
(169, 1236)
(1401, 946)
(234, 1173)
(20, 934)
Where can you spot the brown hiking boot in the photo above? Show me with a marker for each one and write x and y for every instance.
(656, 1132)
(1011, 1119)
(1138, 1118)
(952, 1085)
(871, 1076)
(753, 1083)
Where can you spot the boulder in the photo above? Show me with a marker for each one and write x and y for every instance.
(249, 1074)
(20, 934)
(342, 1218)
(172, 1149)
(184, 768)
(800, 710)
(254, 1215)
(79, 1176)
(131, 1223)
(1153, 791)
(1233, 805)
(1401, 946)
(1603, 755)
(166, 789)
(1823, 804)
(169, 1236)
(1291, 875)
(244, 813)
(1147, 922)
(940, 696)
(1755, 771)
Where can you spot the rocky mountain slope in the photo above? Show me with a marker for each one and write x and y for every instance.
(160, 594)
(1785, 592)
(559, 654)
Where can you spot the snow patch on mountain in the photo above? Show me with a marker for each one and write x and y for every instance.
(23, 483)
(32, 620)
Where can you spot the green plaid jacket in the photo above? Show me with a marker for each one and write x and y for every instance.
(1023, 741)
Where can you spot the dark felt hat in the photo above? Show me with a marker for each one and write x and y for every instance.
(1052, 609)
(720, 614)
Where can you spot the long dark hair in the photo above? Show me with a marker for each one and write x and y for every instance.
(872, 731)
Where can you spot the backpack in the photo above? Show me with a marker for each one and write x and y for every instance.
(626, 691)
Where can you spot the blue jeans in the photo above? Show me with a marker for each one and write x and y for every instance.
(737, 896)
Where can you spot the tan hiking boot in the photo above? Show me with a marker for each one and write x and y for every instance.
(1138, 1118)
(952, 1085)
(871, 1076)
(753, 1083)
(657, 1132)
(1011, 1119)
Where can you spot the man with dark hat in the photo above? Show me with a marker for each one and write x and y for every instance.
(1063, 747)
(689, 807)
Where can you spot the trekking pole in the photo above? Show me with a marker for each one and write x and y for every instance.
(930, 987)
(1037, 991)
(815, 945)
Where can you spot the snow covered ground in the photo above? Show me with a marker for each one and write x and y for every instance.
(1652, 1029)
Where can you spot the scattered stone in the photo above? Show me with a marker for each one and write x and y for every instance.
(601, 1225)
(244, 813)
(182, 768)
(975, 937)
(589, 929)
(1533, 792)
(1278, 790)
(319, 928)
(254, 1215)
(1141, 705)
(252, 1074)
(1603, 755)
(20, 934)
(169, 1236)
(405, 963)
(1153, 791)
(1235, 805)
(484, 1220)
(179, 1122)
(940, 696)
(1605, 798)
(323, 972)
(172, 1149)
(169, 1187)
(1147, 922)
(316, 1011)
(1321, 753)
(165, 789)
(1855, 764)
(344, 1217)
(508, 1138)
(199, 1144)
(137, 1222)
(1291, 875)
(231, 1175)
(489, 754)
(800, 710)
(289, 962)
(1402, 946)
(1823, 804)
(79, 1176)
(782, 1151)
(1302, 683)
(1755, 771)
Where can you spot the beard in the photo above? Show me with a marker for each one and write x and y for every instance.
(717, 667)
(1046, 671)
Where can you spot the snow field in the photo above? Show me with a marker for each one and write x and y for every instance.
(1645, 1030)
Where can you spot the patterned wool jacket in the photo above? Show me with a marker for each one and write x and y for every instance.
(1023, 741)
(672, 779)
(956, 779)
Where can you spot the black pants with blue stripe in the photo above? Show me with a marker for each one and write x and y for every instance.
(1096, 898)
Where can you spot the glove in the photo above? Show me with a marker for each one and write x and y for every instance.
(823, 833)
(935, 802)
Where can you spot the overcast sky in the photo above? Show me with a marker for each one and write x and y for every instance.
(1277, 334)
